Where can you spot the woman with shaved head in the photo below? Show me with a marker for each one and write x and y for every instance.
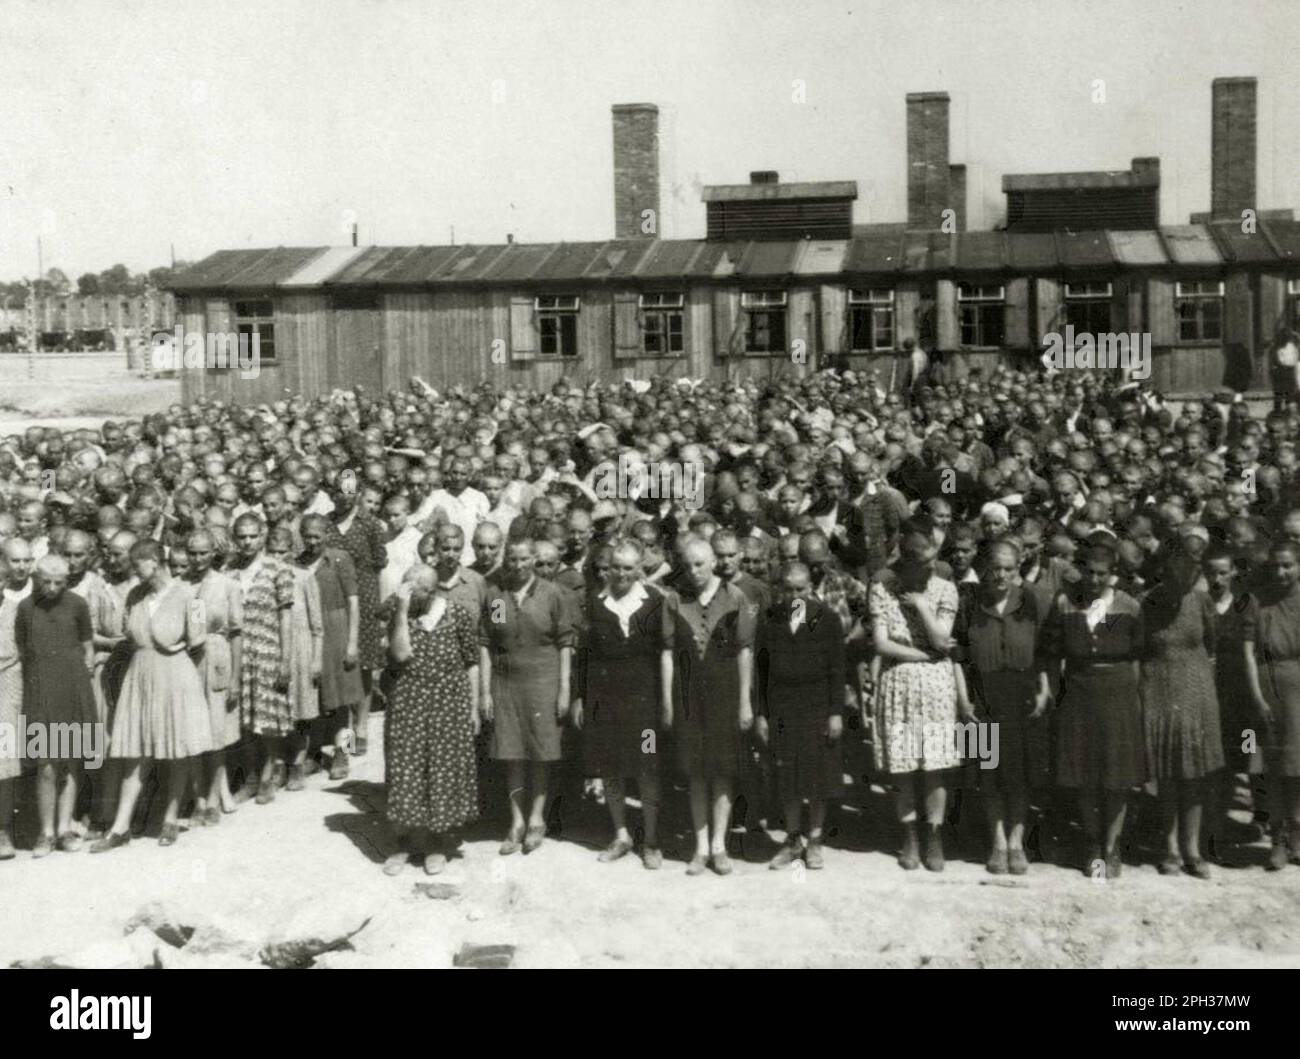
(433, 717)
(625, 696)
(713, 640)
(912, 613)
(55, 642)
(15, 586)
(800, 667)
(220, 667)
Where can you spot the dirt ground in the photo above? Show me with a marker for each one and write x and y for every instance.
(76, 390)
(316, 855)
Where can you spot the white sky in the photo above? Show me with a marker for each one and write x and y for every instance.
(130, 125)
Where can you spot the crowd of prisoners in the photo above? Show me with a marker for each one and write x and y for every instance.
(1102, 583)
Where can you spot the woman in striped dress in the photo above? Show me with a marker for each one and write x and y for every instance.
(305, 666)
(267, 585)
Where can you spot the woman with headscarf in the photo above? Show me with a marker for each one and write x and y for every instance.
(1271, 635)
(912, 612)
(1180, 709)
(1004, 683)
(1094, 633)
(219, 667)
(163, 712)
(800, 671)
(625, 697)
(431, 722)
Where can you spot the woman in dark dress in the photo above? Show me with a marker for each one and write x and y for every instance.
(625, 694)
(429, 763)
(1271, 637)
(526, 636)
(1231, 603)
(1004, 683)
(341, 686)
(1094, 631)
(1180, 710)
(53, 634)
(800, 665)
(713, 641)
(362, 536)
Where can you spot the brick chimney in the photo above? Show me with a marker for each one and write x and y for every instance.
(1232, 147)
(957, 191)
(927, 159)
(636, 169)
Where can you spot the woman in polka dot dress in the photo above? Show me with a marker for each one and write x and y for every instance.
(429, 761)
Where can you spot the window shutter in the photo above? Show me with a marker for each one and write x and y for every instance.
(1164, 316)
(726, 322)
(947, 335)
(627, 326)
(1051, 308)
(1017, 329)
(524, 338)
(835, 319)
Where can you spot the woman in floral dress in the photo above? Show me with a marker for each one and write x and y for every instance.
(267, 585)
(429, 761)
(362, 536)
(1180, 710)
(912, 613)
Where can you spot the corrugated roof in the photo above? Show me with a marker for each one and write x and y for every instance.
(320, 268)
(519, 262)
(1246, 247)
(1032, 252)
(568, 261)
(618, 258)
(238, 269)
(1140, 249)
(669, 258)
(1191, 244)
(1285, 237)
(273, 267)
(821, 257)
(879, 255)
(827, 189)
(1084, 250)
(982, 251)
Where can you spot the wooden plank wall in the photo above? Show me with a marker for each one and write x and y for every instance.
(463, 336)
